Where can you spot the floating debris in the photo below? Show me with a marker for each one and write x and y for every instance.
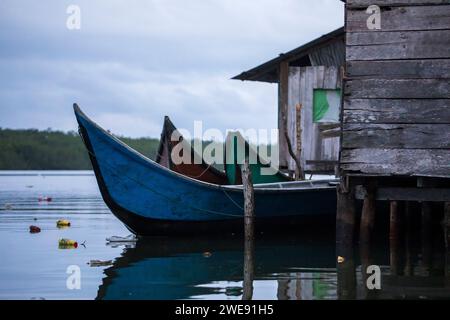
(67, 244)
(100, 263)
(129, 238)
(35, 229)
(45, 199)
(233, 291)
(63, 223)
(29, 186)
(340, 259)
(207, 254)
(8, 206)
(126, 245)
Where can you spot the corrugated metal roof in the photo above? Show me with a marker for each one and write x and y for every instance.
(268, 71)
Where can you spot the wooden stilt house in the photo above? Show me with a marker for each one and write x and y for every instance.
(396, 113)
(309, 87)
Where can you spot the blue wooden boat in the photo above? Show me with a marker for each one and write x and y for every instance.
(150, 199)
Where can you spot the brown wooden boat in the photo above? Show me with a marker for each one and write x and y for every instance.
(200, 171)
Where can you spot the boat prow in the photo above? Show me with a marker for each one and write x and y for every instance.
(150, 199)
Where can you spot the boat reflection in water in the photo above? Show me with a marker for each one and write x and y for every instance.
(302, 267)
(162, 268)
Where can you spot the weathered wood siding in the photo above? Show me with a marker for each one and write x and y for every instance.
(331, 55)
(396, 112)
(302, 82)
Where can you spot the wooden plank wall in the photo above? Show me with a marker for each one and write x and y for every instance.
(332, 54)
(302, 82)
(396, 113)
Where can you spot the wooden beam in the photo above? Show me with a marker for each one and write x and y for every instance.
(405, 162)
(391, 3)
(406, 194)
(405, 136)
(402, 18)
(369, 45)
(410, 69)
(396, 110)
(398, 88)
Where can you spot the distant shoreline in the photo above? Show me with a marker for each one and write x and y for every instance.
(46, 173)
(55, 150)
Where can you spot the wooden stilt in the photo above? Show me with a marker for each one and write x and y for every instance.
(426, 236)
(249, 220)
(367, 216)
(346, 278)
(345, 228)
(394, 238)
(345, 220)
(447, 241)
(447, 224)
(408, 239)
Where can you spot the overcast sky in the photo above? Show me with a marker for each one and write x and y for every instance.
(134, 61)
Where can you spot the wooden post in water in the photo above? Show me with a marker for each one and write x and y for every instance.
(345, 228)
(299, 171)
(249, 201)
(249, 230)
(345, 219)
(367, 216)
(447, 240)
(394, 237)
(292, 153)
(426, 236)
(408, 239)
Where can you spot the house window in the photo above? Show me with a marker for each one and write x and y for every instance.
(326, 105)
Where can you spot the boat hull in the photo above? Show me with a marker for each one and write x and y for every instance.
(152, 201)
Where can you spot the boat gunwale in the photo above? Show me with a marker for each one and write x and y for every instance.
(258, 188)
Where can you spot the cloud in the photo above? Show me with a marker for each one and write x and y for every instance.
(134, 62)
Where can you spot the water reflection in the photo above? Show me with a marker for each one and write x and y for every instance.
(287, 268)
(412, 271)
(297, 268)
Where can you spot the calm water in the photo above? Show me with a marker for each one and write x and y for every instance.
(33, 267)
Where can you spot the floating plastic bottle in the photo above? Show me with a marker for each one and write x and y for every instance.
(67, 244)
(63, 223)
